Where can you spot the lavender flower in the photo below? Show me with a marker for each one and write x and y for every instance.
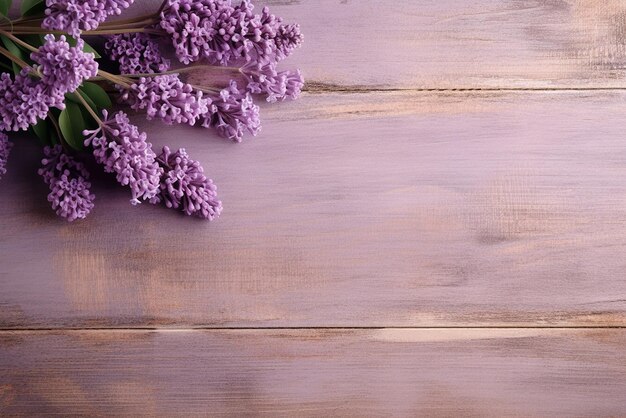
(64, 67)
(69, 189)
(232, 112)
(24, 100)
(5, 150)
(277, 85)
(122, 149)
(136, 53)
(184, 186)
(167, 98)
(221, 33)
(74, 16)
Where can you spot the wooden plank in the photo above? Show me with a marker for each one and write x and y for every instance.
(458, 44)
(386, 209)
(469, 372)
(377, 44)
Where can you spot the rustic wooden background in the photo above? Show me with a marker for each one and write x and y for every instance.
(438, 227)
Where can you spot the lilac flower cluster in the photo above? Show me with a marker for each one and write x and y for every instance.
(68, 181)
(64, 67)
(24, 100)
(218, 32)
(264, 78)
(74, 16)
(167, 98)
(5, 150)
(232, 113)
(136, 53)
(184, 185)
(61, 68)
(122, 149)
(222, 33)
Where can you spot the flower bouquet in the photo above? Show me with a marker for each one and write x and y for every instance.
(63, 61)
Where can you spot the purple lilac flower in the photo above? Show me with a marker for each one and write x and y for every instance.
(136, 53)
(232, 112)
(202, 28)
(167, 98)
(64, 67)
(24, 100)
(69, 189)
(221, 33)
(5, 150)
(74, 16)
(270, 38)
(184, 185)
(288, 38)
(61, 68)
(123, 150)
(265, 79)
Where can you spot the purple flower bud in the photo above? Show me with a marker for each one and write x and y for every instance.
(231, 113)
(277, 85)
(64, 67)
(136, 53)
(184, 186)
(122, 149)
(5, 150)
(69, 189)
(167, 98)
(74, 16)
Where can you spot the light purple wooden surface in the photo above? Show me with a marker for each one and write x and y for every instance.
(371, 202)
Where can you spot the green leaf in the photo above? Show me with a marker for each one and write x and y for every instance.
(74, 97)
(72, 124)
(34, 40)
(86, 47)
(32, 7)
(42, 129)
(5, 5)
(15, 50)
(90, 122)
(89, 48)
(96, 94)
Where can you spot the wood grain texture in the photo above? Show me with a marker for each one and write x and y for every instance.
(368, 44)
(369, 203)
(390, 372)
(449, 44)
(378, 209)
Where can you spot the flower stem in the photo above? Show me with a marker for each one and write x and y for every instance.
(184, 70)
(89, 109)
(39, 31)
(18, 40)
(116, 79)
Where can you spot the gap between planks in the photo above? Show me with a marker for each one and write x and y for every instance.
(320, 88)
(295, 328)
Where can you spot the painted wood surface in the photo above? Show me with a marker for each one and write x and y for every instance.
(371, 203)
(364, 44)
(379, 209)
(389, 372)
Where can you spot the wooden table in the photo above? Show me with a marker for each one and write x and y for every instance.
(438, 227)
